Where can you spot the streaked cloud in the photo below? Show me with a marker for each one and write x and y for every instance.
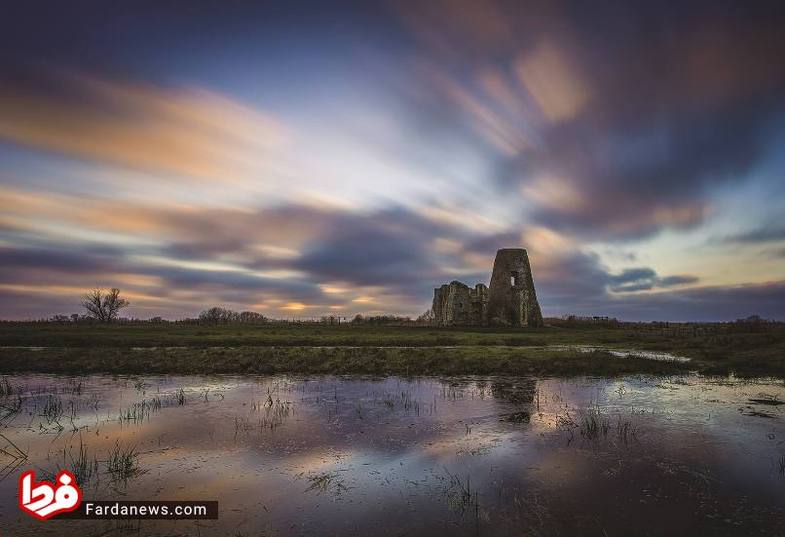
(644, 279)
(552, 80)
(188, 132)
(353, 167)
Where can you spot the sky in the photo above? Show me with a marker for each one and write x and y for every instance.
(302, 159)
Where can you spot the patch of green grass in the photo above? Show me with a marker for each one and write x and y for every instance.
(129, 335)
(336, 360)
(143, 348)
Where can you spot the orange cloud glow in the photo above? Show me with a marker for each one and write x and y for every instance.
(192, 133)
(549, 77)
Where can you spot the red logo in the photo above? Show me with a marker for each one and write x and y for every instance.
(44, 500)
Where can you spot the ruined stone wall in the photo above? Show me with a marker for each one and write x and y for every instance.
(479, 297)
(456, 304)
(510, 300)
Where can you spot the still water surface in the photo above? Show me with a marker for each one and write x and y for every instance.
(364, 456)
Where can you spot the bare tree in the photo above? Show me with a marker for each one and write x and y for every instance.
(103, 305)
(251, 317)
(217, 314)
(427, 318)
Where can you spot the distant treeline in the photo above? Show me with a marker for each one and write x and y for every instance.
(753, 323)
(218, 315)
(223, 316)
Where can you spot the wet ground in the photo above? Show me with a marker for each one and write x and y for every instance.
(361, 456)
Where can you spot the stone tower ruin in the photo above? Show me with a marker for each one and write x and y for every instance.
(512, 300)
(509, 301)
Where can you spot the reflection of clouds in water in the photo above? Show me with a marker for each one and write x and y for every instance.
(394, 438)
(679, 423)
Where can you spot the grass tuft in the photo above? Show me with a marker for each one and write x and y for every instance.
(123, 463)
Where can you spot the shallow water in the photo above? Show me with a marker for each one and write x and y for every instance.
(469, 456)
(625, 353)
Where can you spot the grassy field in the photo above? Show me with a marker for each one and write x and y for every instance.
(409, 350)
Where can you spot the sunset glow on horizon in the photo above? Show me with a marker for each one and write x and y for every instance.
(303, 161)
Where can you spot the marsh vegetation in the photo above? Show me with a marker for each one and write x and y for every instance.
(465, 455)
(557, 349)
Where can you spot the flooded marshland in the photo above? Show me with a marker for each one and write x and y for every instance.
(290, 455)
